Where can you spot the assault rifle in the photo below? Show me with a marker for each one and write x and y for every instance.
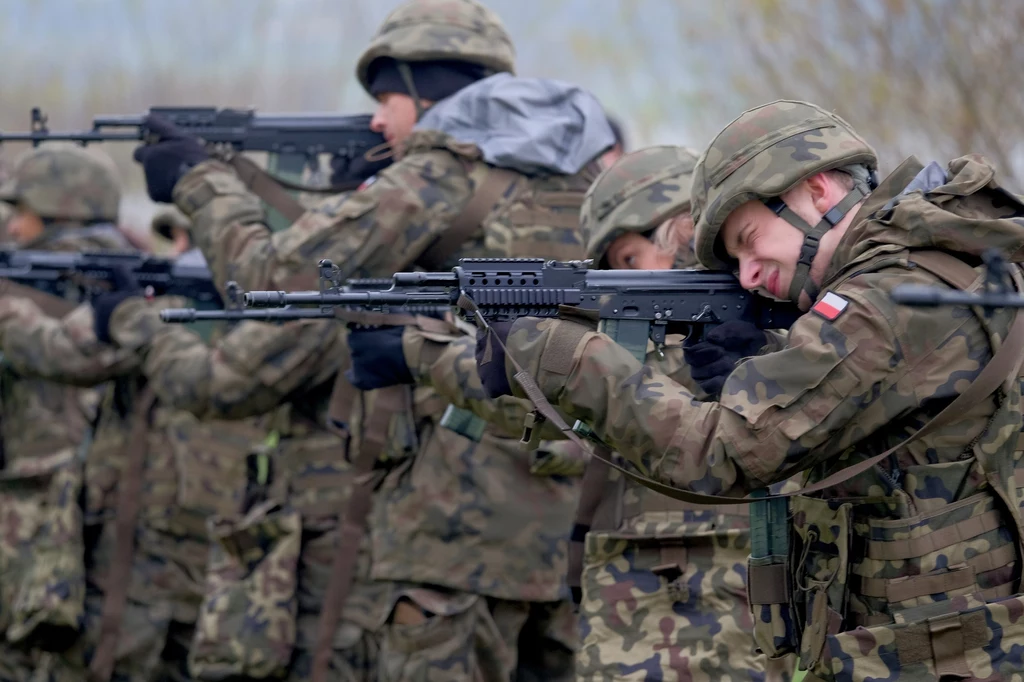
(80, 276)
(997, 292)
(236, 313)
(632, 305)
(347, 138)
(294, 140)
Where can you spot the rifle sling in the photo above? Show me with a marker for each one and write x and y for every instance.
(265, 186)
(52, 306)
(485, 198)
(1005, 363)
(592, 488)
(129, 497)
(352, 524)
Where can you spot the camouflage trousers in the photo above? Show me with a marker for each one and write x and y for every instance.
(433, 634)
(668, 608)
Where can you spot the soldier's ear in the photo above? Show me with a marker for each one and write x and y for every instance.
(822, 192)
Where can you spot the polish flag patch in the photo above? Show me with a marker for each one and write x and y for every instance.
(830, 306)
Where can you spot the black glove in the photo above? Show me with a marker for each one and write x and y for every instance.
(490, 359)
(377, 358)
(352, 172)
(125, 286)
(714, 358)
(166, 160)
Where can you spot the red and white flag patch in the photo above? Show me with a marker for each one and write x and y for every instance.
(830, 306)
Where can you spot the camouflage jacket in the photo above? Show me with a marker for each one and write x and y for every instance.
(39, 417)
(840, 390)
(475, 539)
(449, 366)
(192, 471)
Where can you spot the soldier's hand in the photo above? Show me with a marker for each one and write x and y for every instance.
(378, 360)
(125, 286)
(490, 359)
(167, 159)
(714, 358)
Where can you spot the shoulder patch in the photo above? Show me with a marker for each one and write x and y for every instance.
(830, 306)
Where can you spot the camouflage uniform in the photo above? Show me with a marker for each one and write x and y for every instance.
(927, 533)
(42, 423)
(67, 188)
(479, 566)
(287, 371)
(664, 589)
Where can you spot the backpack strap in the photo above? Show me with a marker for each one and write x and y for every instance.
(491, 189)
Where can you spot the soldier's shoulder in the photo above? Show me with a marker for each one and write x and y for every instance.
(434, 141)
(867, 295)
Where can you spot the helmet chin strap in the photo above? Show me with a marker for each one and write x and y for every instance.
(802, 281)
(406, 73)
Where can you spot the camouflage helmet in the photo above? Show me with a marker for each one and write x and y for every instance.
(636, 194)
(65, 182)
(164, 221)
(422, 30)
(762, 154)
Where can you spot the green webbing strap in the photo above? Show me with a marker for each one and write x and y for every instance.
(463, 422)
(263, 460)
(769, 527)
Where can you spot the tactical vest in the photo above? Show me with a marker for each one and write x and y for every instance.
(860, 589)
(510, 215)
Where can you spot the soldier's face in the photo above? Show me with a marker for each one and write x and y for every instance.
(24, 226)
(767, 247)
(632, 251)
(395, 116)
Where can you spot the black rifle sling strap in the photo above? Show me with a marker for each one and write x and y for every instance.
(352, 524)
(129, 502)
(265, 187)
(1005, 363)
(485, 197)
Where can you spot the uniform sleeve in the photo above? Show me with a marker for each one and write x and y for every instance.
(251, 370)
(779, 413)
(373, 232)
(63, 350)
(448, 365)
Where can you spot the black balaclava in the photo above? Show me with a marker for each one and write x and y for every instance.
(432, 80)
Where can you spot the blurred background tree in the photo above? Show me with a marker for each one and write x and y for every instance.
(936, 78)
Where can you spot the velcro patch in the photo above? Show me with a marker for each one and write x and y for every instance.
(830, 306)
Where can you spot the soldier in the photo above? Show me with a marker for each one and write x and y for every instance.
(890, 410)
(59, 198)
(61, 193)
(489, 164)
(663, 589)
(63, 198)
(143, 630)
